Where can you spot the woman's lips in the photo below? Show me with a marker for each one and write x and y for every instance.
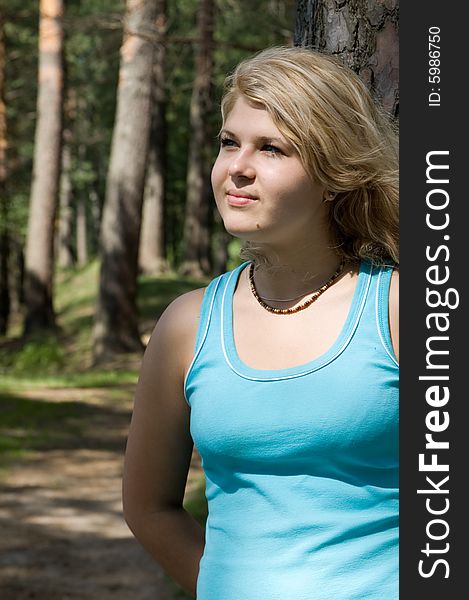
(239, 200)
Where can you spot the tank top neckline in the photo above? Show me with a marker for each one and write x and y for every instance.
(338, 346)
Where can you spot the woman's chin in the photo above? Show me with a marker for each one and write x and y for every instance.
(244, 233)
(240, 225)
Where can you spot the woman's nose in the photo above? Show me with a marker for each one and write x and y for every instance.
(242, 165)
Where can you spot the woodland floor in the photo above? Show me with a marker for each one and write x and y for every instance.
(62, 533)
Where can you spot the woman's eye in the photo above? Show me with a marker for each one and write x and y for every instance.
(227, 142)
(271, 149)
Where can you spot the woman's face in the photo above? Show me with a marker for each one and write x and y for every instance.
(261, 188)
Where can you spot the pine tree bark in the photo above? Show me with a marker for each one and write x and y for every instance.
(5, 303)
(64, 246)
(363, 33)
(4, 233)
(16, 274)
(116, 321)
(81, 217)
(152, 243)
(196, 243)
(81, 230)
(46, 171)
(65, 255)
(96, 215)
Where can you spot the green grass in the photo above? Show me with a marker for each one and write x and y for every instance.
(196, 502)
(86, 379)
(33, 357)
(27, 425)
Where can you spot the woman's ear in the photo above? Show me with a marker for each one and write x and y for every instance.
(328, 196)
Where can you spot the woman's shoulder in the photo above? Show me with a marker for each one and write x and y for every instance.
(175, 331)
(180, 319)
(182, 314)
(179, 323)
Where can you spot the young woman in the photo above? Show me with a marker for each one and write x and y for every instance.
(284, 371)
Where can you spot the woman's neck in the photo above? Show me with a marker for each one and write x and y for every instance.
(295, 270)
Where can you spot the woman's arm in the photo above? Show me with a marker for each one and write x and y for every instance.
(394, 311)
(159, 447)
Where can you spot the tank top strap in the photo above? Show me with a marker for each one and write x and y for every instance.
(376, 310)
(206, 311)
(209, 318)
(205, 315)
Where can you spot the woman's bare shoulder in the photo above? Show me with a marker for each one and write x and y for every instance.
(181, 316)
(176, 329)
(186, 305)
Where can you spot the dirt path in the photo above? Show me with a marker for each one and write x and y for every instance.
(62, 534)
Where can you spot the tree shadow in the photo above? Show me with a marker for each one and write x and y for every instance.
(40, 424)
(46, 563)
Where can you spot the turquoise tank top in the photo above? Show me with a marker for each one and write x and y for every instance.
(301, 464)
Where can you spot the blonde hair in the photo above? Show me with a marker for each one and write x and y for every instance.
(344, 140)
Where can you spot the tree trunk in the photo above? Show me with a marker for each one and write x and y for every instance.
(152, 243)
(16, 274)
(196, 260)
(363, 34)
(65, 255)
(116, 322)
(82, 217)
(5, 304)
(46, 170)
(3, 116)
(4, 233)
(82, 230)
(96, 213)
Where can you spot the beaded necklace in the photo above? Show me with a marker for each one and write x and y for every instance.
(291, 311)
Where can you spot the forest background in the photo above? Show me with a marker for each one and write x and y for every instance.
(109, 112)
